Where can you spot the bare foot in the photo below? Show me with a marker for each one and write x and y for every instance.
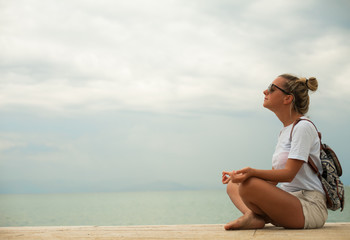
(247, 221)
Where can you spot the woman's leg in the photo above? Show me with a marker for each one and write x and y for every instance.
(233, 192)
(254, 221)
(267, 201)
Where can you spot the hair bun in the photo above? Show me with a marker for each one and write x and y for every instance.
(311, 83)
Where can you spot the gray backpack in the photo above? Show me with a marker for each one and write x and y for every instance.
(330, 177)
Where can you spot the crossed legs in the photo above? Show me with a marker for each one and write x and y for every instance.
(261, 203)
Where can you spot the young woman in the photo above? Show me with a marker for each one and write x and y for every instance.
(299, 201)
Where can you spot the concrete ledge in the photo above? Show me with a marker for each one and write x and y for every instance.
(213, 231)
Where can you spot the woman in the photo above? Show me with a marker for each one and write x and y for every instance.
(299, 201)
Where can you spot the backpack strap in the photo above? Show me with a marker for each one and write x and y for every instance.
(314, 168)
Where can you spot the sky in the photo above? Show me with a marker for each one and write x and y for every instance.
(103, 96)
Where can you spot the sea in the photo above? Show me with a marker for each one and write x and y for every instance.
(126, 208)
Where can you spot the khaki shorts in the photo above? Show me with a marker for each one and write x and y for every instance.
(314, 208)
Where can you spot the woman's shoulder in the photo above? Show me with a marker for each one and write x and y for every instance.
(305, 125)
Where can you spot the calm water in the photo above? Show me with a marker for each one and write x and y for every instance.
(126, 208)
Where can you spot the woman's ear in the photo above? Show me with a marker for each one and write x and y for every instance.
(288, 99)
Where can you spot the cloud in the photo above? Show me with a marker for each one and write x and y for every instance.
(128, 55)
(105, 87)
(159, 56)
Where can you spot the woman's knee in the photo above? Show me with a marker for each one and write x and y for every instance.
(232, 189)
(251, 185)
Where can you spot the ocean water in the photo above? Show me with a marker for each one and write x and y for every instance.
(125, 208)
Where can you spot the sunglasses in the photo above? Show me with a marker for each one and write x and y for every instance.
(271, 89)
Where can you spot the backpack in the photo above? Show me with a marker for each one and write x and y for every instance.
(330, 177)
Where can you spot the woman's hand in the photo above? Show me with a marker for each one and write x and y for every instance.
(237, 176)
(226, 176)
(242, 175)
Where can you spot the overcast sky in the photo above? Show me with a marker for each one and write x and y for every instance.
(121, 95)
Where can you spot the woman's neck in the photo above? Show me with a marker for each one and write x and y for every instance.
(288, 117)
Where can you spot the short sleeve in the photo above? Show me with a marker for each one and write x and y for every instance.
(303, 136)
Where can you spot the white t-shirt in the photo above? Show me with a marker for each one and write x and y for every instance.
(305, 142)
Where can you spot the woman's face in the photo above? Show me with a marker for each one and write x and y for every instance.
(275, 94)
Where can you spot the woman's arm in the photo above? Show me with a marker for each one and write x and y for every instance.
(275, 175)
(273, 183)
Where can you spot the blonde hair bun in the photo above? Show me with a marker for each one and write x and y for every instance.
(311, 83)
